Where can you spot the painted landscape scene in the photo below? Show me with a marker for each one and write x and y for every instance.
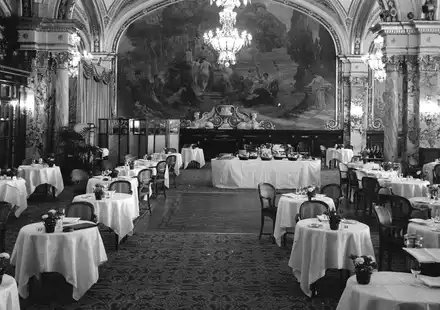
(287, 75)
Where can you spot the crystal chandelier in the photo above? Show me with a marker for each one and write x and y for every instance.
(227, 41)
(75, 55)
(374, 60)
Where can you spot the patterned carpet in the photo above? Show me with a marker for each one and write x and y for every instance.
(198, 250)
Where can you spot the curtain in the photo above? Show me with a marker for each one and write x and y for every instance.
(94, 93)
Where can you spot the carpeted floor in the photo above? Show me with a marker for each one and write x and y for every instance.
(198, 250)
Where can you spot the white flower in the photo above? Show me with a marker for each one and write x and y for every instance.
(310, 189)
(359, 261)
(419, 172)
(52, 211)
(45, 216)
(4, 255)
(371, 257)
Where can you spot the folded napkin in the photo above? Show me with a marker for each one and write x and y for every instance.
(430, 281)
(424, 255)
(419, 221)
(322, 218)
(79, 226)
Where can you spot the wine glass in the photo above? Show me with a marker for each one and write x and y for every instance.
(62, 213)
(415, 268)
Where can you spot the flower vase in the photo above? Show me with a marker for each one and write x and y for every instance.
(50, 163)
(131, 165)
(364, 160)
(49, 227)
(334, 223)
(310, 195)
(98, 195)
(363, 277)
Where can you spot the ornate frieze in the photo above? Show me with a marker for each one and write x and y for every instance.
(26, 8)
(428, 63)
(394, 63)
(359, 81)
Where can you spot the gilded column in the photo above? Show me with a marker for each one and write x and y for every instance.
(391, 98)
(62, 91)
(413, 108)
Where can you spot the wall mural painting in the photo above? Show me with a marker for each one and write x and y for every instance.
(287, 75)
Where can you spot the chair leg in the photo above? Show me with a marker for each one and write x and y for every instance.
(390, 259)
(116, 242)
(164, 190)
(261, 227)
(380, 258)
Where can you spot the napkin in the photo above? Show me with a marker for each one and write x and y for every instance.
(322, 218)
(419, 221)
(430, 281)
(424, 255)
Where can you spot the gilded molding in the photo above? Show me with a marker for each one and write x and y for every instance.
(62, 59)
(394, 63)
(357, 81)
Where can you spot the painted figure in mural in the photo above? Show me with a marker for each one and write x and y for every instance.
(319, 87)
(205, 71)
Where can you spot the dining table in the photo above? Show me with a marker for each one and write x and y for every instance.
(428, 229)
(75, 254)
(38, 174)
(9, 299)
(13, 190)
(344, 155)
(406, 187)
(190, 154)
(389, 290)
(317, 248)
(287, 210)
(116, 212)
(125, 171)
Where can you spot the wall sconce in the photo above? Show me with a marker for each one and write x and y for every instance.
(357, 114)
(14, 103)
(374, 60)
(429, 111)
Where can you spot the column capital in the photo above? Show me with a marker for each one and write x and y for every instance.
(428, 63)
(394, 63)
(62, 59)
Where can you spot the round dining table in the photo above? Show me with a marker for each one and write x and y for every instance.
(14, 192)
(389, 291)
(76, 255)
(406, 187)
(38, 174)
(316, 249)
(9, 294)
(429, 230)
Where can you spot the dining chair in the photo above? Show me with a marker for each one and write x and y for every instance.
(333, 191)
(5, 211)
(145, 178)
(171, 150)
(370, 189)
(171, 163)
(121, 186)
(80, 178)
(267, 194)
(311, 208)
(159, 179)
(343, 175)
(323, 150)
(390, 235)
(82, 209)
(436, 174)
(355, 159)
(353, 186)
(107, 165)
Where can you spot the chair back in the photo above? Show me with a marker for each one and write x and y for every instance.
(351, 147)
(171, 162)
(82, 209)
(27, 161)
(311, 208)
(107, 165)
(355, 159)
(267, 194)
(352, 178)
(129, 157)
(121, 186)
(401, 209)
(371, 187)
(436, 174)
(303, 147)
(343, 170)
(385, 220)
(360, 175)
(5, 210)
(171, 150)
(161, 167)
(333, 191)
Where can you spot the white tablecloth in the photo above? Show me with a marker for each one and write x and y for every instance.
(123, 171)
(343, 155)
(404, 187)
(14, 192)
(76, 255)
(236, 173)
(428, 171)
(378, 174)
(36, 175)
(360, 165)
(147, 163)
(9, 294)
(189, 154)
(317, 249)
(429, 232)
(117, 212)
(389, 291)
(288, 208)
(100, 180)
(425, 202)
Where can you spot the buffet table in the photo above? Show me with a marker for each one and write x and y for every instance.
(236, 173)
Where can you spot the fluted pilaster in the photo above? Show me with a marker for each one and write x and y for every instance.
(391, 99)
(62, 90)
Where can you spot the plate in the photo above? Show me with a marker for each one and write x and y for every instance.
(320, 195)
(349, 221)
(314, 225)
(418, 221)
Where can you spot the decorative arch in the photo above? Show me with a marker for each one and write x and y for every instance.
(336, 30)
(365, 16)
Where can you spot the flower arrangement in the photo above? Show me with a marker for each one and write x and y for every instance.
(107, 172)
(50, 220)
(130, 163)
(4, 264)
(387, 166)
(9, 172)
(364, 266)
(98, 190)
(433, 191)
(311, 192)
(366, 153)
(50, 160)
